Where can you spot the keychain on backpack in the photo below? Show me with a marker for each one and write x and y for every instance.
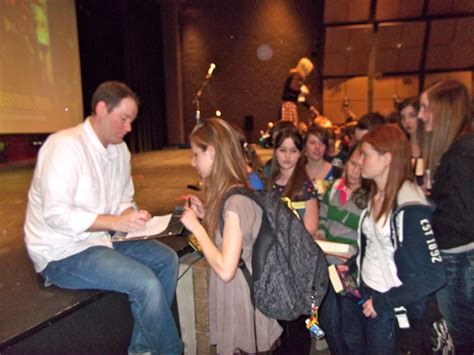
(312, 322)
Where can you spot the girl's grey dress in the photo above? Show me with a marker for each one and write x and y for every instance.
(231, 313)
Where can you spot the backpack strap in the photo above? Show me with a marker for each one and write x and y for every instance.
(248, 277)
(242, 266)
(250, 194)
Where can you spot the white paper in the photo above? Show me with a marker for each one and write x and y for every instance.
(154, 226)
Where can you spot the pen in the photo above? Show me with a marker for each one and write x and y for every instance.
(186, 198)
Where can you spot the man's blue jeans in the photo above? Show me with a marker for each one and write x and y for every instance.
(146, 271)
(455, 299)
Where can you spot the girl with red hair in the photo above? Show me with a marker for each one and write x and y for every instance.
(399, 263)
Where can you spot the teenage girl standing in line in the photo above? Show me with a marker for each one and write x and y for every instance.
(288, 177)
(449, 152)
(339, 216)
(288, 180)
(235, 325)
(399, 263)
(320, 172)
(409, 123)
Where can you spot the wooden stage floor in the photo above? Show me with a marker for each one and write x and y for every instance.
(160, 177)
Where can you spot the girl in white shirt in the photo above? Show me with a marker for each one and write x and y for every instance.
(398, 259)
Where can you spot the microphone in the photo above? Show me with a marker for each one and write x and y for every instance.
(345, 102)
(396, 101)
(211, 69)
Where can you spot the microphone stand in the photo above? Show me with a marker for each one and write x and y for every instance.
(199, 93)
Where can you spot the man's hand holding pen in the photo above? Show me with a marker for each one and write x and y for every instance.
(132, 220)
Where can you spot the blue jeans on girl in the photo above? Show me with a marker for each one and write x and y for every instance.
(456, 301)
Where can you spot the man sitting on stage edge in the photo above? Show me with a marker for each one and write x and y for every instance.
(81, 190)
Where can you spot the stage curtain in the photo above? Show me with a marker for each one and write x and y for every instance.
(121, 40)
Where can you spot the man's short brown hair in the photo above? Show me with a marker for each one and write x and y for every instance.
(112, 92)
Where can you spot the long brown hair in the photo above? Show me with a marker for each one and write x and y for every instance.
(228, 168)
(414, 102)
(295, 184)
(450, 106)
(390, 138)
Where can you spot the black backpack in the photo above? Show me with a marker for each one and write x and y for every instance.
(289, 269)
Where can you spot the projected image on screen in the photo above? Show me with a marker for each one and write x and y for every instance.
(40, 86)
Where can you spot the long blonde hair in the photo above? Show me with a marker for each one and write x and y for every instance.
(228, 168)
(450, 106)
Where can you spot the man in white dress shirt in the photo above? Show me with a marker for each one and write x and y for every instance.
(81, 191)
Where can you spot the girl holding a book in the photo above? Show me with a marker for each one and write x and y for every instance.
(339, 216)
(399, 263)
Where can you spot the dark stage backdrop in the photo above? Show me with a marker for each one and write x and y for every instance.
(121, 40)
(253, 44)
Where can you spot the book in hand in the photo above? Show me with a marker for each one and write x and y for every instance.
(341, 250)
(344, 284)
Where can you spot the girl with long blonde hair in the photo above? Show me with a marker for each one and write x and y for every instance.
(449, 150)
(235, 325)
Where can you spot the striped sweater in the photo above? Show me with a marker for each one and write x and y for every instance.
(338, 222)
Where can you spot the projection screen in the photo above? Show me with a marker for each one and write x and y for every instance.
(40, 81)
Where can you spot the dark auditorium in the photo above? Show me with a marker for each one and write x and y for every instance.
(253, 177)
